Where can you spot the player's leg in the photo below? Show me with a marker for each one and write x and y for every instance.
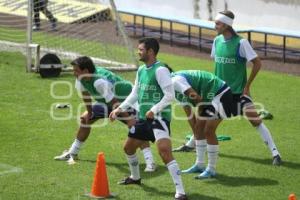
(145, 147)
(212, 148)
(83, 132)
(137, 136)
(221, 108)
(189, 145)
(201, 145)
(48, 14)
(130, 147)
(251, 114)
(164, 149)
(161, 131)
(148, 156)
(36, 15)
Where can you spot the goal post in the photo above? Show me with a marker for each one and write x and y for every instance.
(29, 41)
(68, 28)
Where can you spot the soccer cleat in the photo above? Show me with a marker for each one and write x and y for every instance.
(150, 168)
(128, 180)
(277, 160)
(183, 148)
(36, 28)
(65, 156)
(193, 169)
(71, 161)
(206, 174)
(181, 197)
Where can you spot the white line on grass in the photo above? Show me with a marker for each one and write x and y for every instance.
(8, 169)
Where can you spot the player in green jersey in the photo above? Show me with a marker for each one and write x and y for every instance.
(154, 92)
(213, 101)
(109, 90)
(231, 54)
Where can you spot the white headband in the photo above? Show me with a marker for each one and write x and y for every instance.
(224, 19)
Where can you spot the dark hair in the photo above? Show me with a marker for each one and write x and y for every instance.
(84, 62)
(229, 14)
(168, 67)
(150, 43)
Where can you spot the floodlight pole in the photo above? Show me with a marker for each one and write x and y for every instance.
(29, 36)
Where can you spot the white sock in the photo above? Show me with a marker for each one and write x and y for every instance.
(201, 146)
(148, 156)
(212, 155)
(175, 174)
(134, 166)
(75, 147)
(191, 142)
(267, 138)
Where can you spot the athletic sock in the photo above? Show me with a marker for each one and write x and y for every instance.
(175, 174)
(267, 138)
(201, 146)
(191, 142)
(212, 155)
(148, 156)
(75, 147)
(134, 166)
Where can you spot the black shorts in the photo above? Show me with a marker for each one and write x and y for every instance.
(239, 103)
(221, 106)
(101, 111)
(150, 130)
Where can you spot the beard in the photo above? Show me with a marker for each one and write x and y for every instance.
(143, 58)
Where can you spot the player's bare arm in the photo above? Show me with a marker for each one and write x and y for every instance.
(256, 67)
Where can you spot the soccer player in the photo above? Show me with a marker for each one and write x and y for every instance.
(109, 90)
(231, 54)
(41, 6)
(213, 101)
(154, 92)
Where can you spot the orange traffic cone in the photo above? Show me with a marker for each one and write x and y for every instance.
(100, 188)
(292, 197)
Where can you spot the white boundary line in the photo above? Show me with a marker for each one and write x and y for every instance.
(8, 169)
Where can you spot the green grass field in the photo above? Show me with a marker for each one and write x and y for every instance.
(30, 138)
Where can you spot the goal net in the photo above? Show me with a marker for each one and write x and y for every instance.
(67, 28)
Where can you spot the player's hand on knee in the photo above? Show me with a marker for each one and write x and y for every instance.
(150, 115)
(113, 115)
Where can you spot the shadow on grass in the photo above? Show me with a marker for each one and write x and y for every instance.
(193, 196)
(287, 164)
(238, 181)
(124, 168)
(161, 169)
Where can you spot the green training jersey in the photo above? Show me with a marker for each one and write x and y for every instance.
(204, 83)
(121, 87)
(229, 66)
(149, 91)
